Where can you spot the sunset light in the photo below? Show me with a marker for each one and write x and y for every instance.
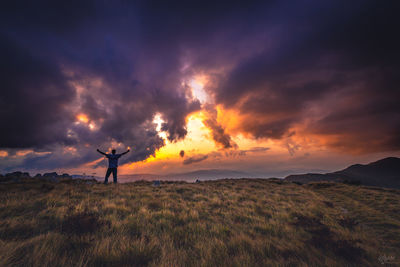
(197, 140)
(198, 92)
(200, 133)
(159, 121)
(189, 95)
(82, 118)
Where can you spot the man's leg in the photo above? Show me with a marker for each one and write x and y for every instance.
(115, 175)
(107, 175)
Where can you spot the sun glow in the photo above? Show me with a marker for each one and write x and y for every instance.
(159, 121)
(197, 86)
(196, 141)
(82, 118)
(199, 141)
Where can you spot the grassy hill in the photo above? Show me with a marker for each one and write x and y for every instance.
(382, 173)
(216, 223)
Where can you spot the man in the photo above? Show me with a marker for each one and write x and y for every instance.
(112, 164)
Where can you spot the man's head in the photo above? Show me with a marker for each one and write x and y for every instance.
(113, 151)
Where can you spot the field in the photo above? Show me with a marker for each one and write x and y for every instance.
(216, 223)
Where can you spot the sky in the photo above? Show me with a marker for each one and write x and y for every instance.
(267, 87)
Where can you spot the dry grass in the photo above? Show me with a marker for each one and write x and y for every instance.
(216, 223)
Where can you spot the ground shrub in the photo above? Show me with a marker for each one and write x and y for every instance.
(154, 206)
(81, 223)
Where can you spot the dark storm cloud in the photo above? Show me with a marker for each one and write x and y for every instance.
(218, 134)
(132, 50)
(49, 49)
(254, 150)
(220, 137)
(341, 60)
(194, 159)
(33, 96)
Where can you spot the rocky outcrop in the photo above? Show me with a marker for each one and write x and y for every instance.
(14, 176)
(18, 174)
(50, 174)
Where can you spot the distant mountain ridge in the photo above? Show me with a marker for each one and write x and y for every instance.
(384, 173)
(211, 174)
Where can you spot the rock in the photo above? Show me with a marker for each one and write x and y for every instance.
(37, 175)
(15, 177)
(13, 174)
(50, 174)
(18, 174)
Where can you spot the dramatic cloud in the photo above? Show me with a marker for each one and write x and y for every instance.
(33, 99)
(254, 150)
(194, 159)
(218, 132)
(56, 67)
(82, 75)
(338, 78)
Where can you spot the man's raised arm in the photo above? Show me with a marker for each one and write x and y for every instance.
(98, 150)
(125, 152)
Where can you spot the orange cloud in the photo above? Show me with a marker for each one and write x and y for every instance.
(82, 118)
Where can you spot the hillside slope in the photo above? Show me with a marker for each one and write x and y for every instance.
(243, 222)
(384, 173)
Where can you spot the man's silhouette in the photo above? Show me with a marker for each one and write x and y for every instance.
(112, 164)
